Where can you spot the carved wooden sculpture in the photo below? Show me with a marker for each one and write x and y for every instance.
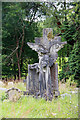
(42, 77)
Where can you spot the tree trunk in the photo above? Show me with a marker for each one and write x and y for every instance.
(19, 71)
(19, 53)
(18, 61)
(14, 69)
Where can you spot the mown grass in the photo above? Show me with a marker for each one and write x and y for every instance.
(29, 107)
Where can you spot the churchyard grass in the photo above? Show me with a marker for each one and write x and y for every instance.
(29, 107)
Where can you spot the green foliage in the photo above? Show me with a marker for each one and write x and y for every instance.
(63, 17)
(14, 14)
(3, 97)
(71, 35)
(65, 74)
(71, 69)
(74, 62)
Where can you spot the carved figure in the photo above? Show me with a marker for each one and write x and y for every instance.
(43, 76)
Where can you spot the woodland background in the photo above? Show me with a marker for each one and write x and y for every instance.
(22, 22)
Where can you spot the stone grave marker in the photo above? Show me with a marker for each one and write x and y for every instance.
(42, 77)
(14, 94)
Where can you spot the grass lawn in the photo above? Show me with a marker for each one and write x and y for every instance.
(29, 107)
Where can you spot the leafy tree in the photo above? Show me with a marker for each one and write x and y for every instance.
(19, 27)
(74, 63)
(71, 34)
(16, 33)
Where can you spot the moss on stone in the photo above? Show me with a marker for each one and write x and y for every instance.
(50, 35)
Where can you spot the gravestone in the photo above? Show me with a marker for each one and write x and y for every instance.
(42, 77)
(14, 94)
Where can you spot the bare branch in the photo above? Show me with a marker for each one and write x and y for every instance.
(10, 55)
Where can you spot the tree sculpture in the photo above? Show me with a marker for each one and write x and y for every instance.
(42, 77)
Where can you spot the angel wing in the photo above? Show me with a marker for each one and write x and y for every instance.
(37, 47)
(56, 46)
(60, 46)
(33, 46)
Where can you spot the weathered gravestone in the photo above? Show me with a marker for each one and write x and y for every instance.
(14, 94)
(42, 77)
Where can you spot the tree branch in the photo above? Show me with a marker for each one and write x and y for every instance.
(10, 54)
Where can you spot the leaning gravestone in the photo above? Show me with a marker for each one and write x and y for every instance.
(42, 77)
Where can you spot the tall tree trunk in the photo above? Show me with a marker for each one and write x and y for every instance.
(18, 61)
(22, 43)
(19, 77)
(19, 53)
(14, 69)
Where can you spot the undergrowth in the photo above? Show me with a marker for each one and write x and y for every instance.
(29, 107)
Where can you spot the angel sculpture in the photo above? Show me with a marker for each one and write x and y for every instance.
(47, 52)
(55, 46)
